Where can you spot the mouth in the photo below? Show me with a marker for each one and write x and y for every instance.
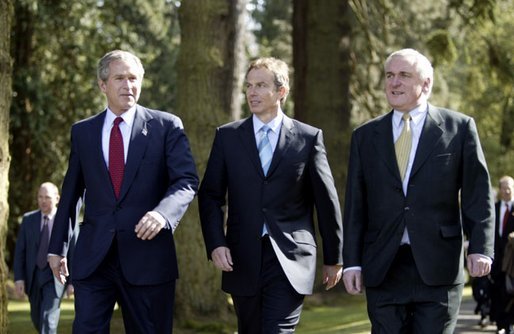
(396, 93)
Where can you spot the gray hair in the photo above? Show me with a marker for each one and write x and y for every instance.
(108, 58)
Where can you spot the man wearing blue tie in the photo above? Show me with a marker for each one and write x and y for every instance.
(275, 171)
(135, 167)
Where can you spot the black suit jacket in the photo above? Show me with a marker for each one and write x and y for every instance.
(299, 179)
(160, 175)
(449, 161)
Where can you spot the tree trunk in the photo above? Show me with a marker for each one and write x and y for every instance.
(321, 60)
(6, 15)
(209, 73)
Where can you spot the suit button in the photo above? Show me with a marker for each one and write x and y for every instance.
(406, 208)
(264, 209)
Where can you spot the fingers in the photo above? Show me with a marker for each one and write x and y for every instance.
(353, 281)
(222, 259)
(331, 276)
(59, 267)
(148, 227)
(478, 265)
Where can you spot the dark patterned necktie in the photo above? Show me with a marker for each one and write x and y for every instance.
(42, 251)
(116, 157)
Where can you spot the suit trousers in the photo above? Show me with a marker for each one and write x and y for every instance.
(145, 309)
(276, 307)
(403, 303)
(44, 302)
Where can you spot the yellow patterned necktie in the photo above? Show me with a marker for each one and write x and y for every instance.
(403, 145)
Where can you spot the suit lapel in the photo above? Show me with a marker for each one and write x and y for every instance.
(139, 138)
(384, 143)
(429, 138)
(286, 135)
(248, 140)
(96, 143)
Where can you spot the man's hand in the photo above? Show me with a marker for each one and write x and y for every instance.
(222, 258)
(478, 265)
(148, 227)
(59, 266)
(353, 281)
(70, 290)
(332, 275)
(19, 288)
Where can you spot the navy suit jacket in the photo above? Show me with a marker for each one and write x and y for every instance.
(449, 190)
(160, 175)
(299, 179)
(25, 254)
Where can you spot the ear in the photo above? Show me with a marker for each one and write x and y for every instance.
(426, 85)
(282, 92)
(102, 85)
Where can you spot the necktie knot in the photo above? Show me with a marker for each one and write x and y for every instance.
(117, 121)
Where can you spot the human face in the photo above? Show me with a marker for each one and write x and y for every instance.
(506, 190)
(123, 85)
(261, 94)
(404, 87)
(47, 199)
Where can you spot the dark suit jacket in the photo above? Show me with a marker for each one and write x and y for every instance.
(500, 242)
(25, 254)
(299, 178)
(160, 175)
(449, 160)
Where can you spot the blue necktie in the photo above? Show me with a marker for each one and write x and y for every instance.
(265, 150)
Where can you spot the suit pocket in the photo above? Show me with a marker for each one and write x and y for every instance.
(451, 231)
(442, 159)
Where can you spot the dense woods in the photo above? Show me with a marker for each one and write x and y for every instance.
(195, 53)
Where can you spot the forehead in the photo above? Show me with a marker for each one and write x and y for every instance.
(123, 66)
(400, 64)
(46, 191)
(260, 75)
(507, 184)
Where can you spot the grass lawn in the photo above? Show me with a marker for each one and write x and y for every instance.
(344, 314)
(337, 313)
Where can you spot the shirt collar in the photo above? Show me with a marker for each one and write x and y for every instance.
(274, 124)
(417, 114)
(128, 116)
(50, 216)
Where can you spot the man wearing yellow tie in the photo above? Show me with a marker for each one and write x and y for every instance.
(403, 226)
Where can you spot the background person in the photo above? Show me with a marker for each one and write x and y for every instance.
(500, 312)
(32, 274)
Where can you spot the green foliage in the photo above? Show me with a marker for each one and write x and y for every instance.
(56, 46)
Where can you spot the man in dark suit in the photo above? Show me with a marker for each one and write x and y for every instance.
(273, 179)
(135, 167)
(500, 299)
(417, 177)
(32, 275)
